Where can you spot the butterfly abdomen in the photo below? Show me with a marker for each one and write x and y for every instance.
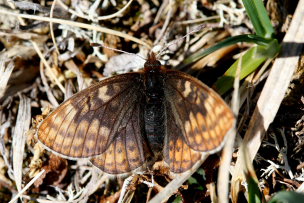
(154, 118)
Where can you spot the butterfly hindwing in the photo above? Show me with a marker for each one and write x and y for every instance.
(177, 154)
(85, 125)
(202, 116)
(129, 149)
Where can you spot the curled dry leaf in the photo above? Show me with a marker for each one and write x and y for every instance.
(55, 171)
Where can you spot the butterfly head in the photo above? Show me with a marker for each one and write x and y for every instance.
(152, 63)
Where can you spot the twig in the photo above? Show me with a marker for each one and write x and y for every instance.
(51, 26)
(77, 24)
(107, 17)
(52, 74)
(223, 177)
(27, 186)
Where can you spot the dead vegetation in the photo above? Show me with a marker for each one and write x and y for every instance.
(47, 55)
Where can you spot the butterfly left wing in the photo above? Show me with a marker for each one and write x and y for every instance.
(128, 150)
(201, 114)
(85, 125)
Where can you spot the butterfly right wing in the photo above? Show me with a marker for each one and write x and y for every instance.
(85, 125)
(202, 115)
(197, 121)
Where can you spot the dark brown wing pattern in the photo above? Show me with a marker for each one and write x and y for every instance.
(202, 119)
(128, 150)
(86, 124)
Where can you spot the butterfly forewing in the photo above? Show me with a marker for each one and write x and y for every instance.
(203, 117)
(85, 125)
(128, 150)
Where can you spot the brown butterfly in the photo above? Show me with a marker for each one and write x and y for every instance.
(132, 120)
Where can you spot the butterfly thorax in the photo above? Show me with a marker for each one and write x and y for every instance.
(154, 108)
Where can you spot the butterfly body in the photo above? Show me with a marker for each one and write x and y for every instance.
(134, 119)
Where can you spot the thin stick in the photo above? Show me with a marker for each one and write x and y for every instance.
(51, 27)
(107, 17)
(27, 186)
(223, 177)
(77, 24)
(52, 74)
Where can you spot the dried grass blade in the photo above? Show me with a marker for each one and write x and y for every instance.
(19, 138)
(5, 73)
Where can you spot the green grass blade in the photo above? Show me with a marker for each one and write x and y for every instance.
(227, 42)
(254, 193)
(249, 64)
(287, 197)
(251, 60)
(259, 18)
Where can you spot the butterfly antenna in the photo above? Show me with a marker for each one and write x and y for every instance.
(196, 29)
(93, 44)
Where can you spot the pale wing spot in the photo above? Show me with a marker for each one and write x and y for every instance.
(70, 133)
(90, 144)
(193, 121)
(225, 119)
(171, 149)
(104, 131)
(219, 109)
(110, 158)
(102, 94)
(82, 129)
(212, 116)
(213, 134)
(186, 154)
(188, 89)
(221, 123)
(198, 101)
(76, 149)
(206, 136)
(194, 88)
(94, 127)
(190, 139)
(178, 149)
(211, 100)
(207, 106)
(218, 130)
(208, 122)
(198, 139)
(120, 152)
(200, 119)
(54, 124)
(171, 143)
(66, 144)
(188, 128)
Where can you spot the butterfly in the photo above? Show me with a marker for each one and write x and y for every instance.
(130, 121)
